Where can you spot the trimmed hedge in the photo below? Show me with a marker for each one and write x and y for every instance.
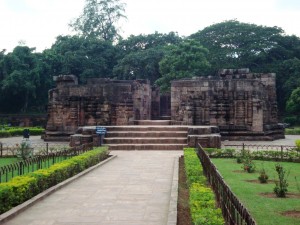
(204, 210)
(18, 131)
(290, 155)
(22, 188)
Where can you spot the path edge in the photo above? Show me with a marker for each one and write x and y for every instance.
(20, 208)
(172, 214)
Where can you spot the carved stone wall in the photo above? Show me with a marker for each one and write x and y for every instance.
(99, 102)
(239, 102)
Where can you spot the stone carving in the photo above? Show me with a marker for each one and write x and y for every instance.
(241, 103)
(99, 102)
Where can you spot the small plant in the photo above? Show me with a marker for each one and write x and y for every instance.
(281, 185)
(24, 150)
(248, 164)
(263, 177)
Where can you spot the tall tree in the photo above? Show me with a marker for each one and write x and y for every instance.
(233, 44)
(99, 19)
(138, 56)
(83, 57)
(21, 78)
(187, 59)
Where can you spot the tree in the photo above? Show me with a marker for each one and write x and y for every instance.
(293, 103)
(21, 78)
(83, 57)
(233, 44)
(99, 19)
(187, 59)
(139, 55)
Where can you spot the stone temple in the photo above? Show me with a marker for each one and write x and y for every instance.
(241, 104)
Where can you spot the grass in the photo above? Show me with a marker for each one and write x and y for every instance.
(7, 161)
(27, 169)
(292, 131)
(264, 210)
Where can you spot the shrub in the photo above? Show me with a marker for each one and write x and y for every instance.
(22, 188)
(297, 142)
(281, 185)
(18, 131)
(263, 177)
(249, 165)
(202, 200)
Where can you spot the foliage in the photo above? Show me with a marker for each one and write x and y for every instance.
(185, 60)
(82, 57)
(248, 164)
(99, 19)
(202, 200)
(26, 75)
(291, 155)
(139, 56)
(233, 44)
(18, 131)
(297, 142)
(20, 79)
(281, 185)
(25, 150)
(263, 176)
(293, 103)
(22, 188)
(265, 210)
(291, 120)
(292, 131)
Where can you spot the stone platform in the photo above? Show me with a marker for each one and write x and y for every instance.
(151, 135)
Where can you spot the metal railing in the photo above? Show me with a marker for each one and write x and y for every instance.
(39, 162)
(234, 212)
(274, 152)
(8, 149)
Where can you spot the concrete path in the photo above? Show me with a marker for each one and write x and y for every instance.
(135, 188)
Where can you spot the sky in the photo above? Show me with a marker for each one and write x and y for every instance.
(37, 23)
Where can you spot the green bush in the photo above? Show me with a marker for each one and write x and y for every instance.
(292, 131)
(22, 188)
(202, 200)
(18, 131)
(297, 142)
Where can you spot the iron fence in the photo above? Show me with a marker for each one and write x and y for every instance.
(8, 149)
(273, 152)
(234, 212)
(22, 167)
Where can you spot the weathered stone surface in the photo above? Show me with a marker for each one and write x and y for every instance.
(240, 103)
(99, 102)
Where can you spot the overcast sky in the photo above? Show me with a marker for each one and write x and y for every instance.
(39, 22)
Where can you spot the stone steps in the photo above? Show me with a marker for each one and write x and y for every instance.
(140, 128)
(161, 147)
(143, 140)
(147, 135)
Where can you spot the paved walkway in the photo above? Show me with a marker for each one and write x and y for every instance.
(135, 188)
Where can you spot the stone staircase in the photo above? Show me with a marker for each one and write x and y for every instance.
(147, 135)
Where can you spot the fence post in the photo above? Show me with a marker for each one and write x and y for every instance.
(47, 148)
(21, 168)
(281, 147)
(1, 149)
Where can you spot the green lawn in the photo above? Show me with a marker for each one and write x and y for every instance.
(45, 164)
(292, 131)
(266, 211)
(7, 161)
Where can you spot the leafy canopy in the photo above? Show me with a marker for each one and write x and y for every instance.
(184, 60)
(99, 19)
